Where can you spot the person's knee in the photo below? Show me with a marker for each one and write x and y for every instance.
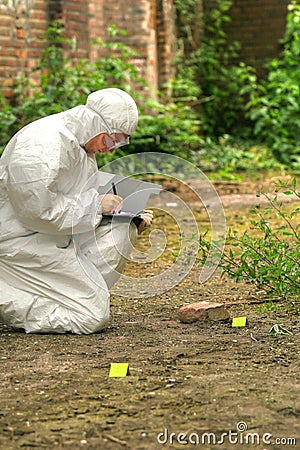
(95, 318)
(78, 324)
(83, 316)
(95, 324)
(133, 233)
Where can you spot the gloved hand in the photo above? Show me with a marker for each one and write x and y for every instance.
(110, 203)
(147, 217)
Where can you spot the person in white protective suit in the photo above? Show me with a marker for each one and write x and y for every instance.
(48, 284)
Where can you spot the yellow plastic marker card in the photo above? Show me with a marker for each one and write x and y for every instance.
(118, 370)
(239, 321)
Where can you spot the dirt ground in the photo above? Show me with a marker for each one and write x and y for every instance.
(203, 385)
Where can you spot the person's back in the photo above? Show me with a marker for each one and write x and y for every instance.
(42, 162)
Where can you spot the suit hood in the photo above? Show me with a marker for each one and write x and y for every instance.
(106, 111)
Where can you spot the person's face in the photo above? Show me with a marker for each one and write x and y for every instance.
(106, 143)
(96, 144)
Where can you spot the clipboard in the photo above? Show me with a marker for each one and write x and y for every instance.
(135, 194)
(124, 216)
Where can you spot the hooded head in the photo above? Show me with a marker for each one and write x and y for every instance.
(116, 108)
(108, 111)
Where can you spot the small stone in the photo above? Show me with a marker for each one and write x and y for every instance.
(202, 311)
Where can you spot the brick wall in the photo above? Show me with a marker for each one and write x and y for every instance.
(258, 25)
(138, 18)
(21, 23)
(165, 39)
(75, 17)
(148, 26)
(147, 23)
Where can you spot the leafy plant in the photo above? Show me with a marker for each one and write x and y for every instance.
(269, 306)
(63, 84)
(60, 84)
(227, 156)
(8, 120)
(213, 66)
(57, 83)
(268, 109)
(277, 330)
(269, 253)
(274, 105)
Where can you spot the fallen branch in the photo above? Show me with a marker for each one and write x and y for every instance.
(114, 439)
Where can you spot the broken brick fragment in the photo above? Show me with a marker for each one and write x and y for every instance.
(202, 311)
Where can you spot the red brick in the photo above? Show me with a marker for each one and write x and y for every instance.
(21, 53)
(202, 311)
(8, 82)
(20, 33)
(8, 93)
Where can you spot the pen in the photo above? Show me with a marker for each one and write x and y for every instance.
(114, 191)
(114, 188)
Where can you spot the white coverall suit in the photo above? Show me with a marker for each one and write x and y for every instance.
(45, 286)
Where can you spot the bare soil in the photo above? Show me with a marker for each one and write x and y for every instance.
(195, 379)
